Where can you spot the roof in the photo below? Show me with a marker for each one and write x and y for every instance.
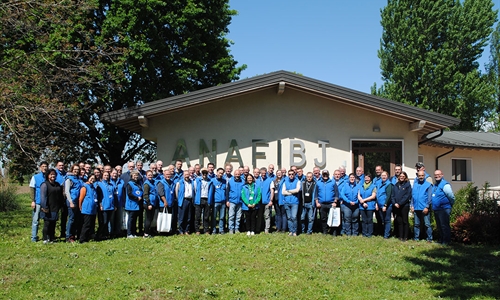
(128, 118)
(468, 139)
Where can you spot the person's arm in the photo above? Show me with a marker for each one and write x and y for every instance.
(297, 188)
(33, 191)
(145, 194)
(284, 192)
(449, 193)
(388, 192)
(259, 194)
(83, 192)
(161, 192)
(67, 191)
(244, 197)
(44, 205)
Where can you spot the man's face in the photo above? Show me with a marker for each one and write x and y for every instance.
(159, 165)
(43, 168)
(87, 168)
(220, 173)
(153, 167)
(316, 172)
(60, 166)
(107, 168)
(359, 171)
(342, 172)
(397, 171)
(309, 177)
(178, 165)
(421, 176)
(167, 174)
(378, 170)
(336, 175)
(291, 175)
(191, 171)
(263, 173)
(118, 170)
(229, 169)
(131, 166)
(187, 175)
(270, 169)
(246, 170)
(383, 176)
(139, 166)
(197, 169)
(300, 172)
(294, 169)
(210, 168)
(237, 174)
(325, 176)
(438, 175)
(256, 172)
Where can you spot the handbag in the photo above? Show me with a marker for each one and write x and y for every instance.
(164, 222)
(334, 217)
(124, 217)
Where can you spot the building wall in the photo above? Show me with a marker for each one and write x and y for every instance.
(485, 165)
(265, 115)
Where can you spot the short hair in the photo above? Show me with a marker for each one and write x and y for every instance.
(50, 172)
(210, 163)
(263, 169)
(220, 169)
(44, 163)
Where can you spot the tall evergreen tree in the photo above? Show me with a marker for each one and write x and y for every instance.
(64, 63)
(429, 51)
(493, 69)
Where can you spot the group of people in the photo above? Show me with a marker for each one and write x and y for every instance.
(210, 201)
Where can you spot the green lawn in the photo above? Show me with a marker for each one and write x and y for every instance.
(237, 266)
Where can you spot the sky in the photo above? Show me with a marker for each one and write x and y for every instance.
(330, 40)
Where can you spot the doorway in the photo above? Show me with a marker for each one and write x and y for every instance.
(369, 154)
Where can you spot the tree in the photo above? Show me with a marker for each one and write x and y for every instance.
(429, 51)
(493, 69)
(63, 64)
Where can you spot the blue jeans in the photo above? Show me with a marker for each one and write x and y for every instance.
(73, 225)
(419, 215)
(132, 221)
(34, 223)
(307, 210)
(350, 220)
(367, 219)
(291, 215)
(443, 225)
(234, 217)
(219, 209)
(387, 221)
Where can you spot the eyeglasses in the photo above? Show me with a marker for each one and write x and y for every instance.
(291, 174)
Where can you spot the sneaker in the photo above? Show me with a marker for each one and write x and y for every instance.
(131, 236)
(252, 233)
(231, 231)
(45, 242)
(266, 231)
(248, 233)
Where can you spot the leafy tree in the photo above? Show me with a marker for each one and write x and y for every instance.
(429, 51)
(63, 64)
(493, 69)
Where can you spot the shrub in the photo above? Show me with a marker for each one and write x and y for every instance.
(8, 198)
(476, 229)
(475, 216)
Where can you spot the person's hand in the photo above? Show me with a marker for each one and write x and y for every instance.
(384, 209)
(425, 211)
(33, 204)
(396, 205)
(334, 204)
(150, 207)
(71, 205)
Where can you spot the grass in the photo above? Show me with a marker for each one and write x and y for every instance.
(241, 267)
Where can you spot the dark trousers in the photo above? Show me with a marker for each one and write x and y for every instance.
(367, 222)
(402, 221)
(379, 214)
(106, 224)
(132, 220)
(259, 223)
(49, 229)
(185, 212)
(64, 219)
(140, 218)
(204, 208)
(250, 219)
(87, 227)
(323, 212)
(150, 214)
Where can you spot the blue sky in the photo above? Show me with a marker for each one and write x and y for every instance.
(331, 40)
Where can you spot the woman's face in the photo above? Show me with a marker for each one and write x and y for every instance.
(279, 174)
(105, 176)
(149, 175)
(135, 176)
(368, 179)
(52, 176)
(92, 179)
(352, 179)
(402, 177)
(249, 179)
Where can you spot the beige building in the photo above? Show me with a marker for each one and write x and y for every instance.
(464, 157)
(285, 119)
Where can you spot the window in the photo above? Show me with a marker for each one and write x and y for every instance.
(461, 169)
(421, 158)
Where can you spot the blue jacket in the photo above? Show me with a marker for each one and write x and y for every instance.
(182, 189)
(120, 191)
(421, 195)
(401, 194)
(291, 185)
(265, 188)
(234, 190)
(74, 191)
(384, 191)
(39, 179)
(198, 185)
(365, 193)
(89, 203)
(278, 192)
(350, 194)
(440, 200)
(168, 189)
(60, 177)
(250, 194)
(326, 191)
(153, 194)
(134, 191)
(220, 186)
(106, 195)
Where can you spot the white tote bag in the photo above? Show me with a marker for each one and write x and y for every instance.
(334, 217)
(164, 222)
(124, 217)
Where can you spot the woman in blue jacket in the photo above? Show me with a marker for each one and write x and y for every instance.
(88, 206)
(250, 195)
(401, 196)
(367, 193)
(350, 206)
(279, 208)
(106, 195)
(132, 202)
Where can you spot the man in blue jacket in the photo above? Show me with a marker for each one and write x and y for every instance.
(327, 195)
(420, 205)
(203, 201)
(442, 202)
(35, 183)
(233, 197)
(219, 206)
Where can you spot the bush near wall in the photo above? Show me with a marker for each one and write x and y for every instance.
(475, 216)
(8, 198)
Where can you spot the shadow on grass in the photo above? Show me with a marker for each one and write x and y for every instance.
(459, 272)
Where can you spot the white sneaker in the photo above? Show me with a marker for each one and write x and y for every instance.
(130, 236)
(248, 233)
(252, 233)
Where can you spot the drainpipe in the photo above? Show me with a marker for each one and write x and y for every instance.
(434, 137)
(437, 158)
